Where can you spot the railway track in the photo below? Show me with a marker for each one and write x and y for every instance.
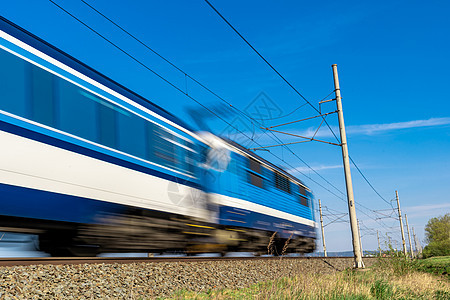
(4, 262)
(118, 278)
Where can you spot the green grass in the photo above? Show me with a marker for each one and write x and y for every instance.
(392, 278)
(438, 265)
(380, 289)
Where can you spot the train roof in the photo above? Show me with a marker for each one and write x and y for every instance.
(264, 161)
(56, 53)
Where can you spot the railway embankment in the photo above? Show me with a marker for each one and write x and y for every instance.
(146, 280)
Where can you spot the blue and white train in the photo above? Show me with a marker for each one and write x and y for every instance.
(91, 166)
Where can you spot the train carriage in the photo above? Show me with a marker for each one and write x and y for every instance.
(91, 166)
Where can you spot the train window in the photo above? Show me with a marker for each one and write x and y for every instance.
(255, 166)
(72, 105)
(12, 84)
(107, 124)
(303, 201)
(131, 134)
(256, 180)
(190, 161)
(302, 190)
(191, 156)
(302, 195)
(42, 96)
(254, 173)
(162, 147)
(149, 136)
(282, 182)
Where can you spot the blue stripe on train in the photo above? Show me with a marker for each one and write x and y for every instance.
(30, 203)
(24, 202)
(7, 127)
(233, 216)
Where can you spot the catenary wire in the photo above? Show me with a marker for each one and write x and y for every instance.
(357, 168)
(193, 79)
(195, 100)
(260, 55)
(183, 92)
(287, 82)
(280, 117)
(216, 95)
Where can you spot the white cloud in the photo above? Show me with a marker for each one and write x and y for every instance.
(266, 138)
(317, 168)
(371, 129)
(428, 207)
(427, 211)
(375, 128)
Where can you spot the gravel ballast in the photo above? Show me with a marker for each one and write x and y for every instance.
(148, 280)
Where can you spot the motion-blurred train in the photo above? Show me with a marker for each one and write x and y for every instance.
(90, 167)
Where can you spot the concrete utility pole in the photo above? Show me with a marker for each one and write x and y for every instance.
(409, 237)
(417, 243)
(323, 234)
(360, 242)
(379, 247)
(348, 177)
(401, 224)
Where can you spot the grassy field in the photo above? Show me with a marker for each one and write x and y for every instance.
(395, 278)
(437, 265)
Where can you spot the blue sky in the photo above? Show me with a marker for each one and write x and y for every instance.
(393, 66)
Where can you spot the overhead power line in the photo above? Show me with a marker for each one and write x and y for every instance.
(260, 55)
(269, 64)
(368, 182)
(290, 85)
(209, 110)
(190, 77)
(157, 54)
(189, 96)
(283, 116)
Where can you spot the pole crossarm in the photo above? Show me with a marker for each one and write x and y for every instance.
(325, 101)
(300, 136)
(321, 115)
(382, 218)
(384, 215)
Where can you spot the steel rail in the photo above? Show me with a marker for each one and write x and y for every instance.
(26, 261)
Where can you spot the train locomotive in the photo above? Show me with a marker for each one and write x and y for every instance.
(90, 166)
